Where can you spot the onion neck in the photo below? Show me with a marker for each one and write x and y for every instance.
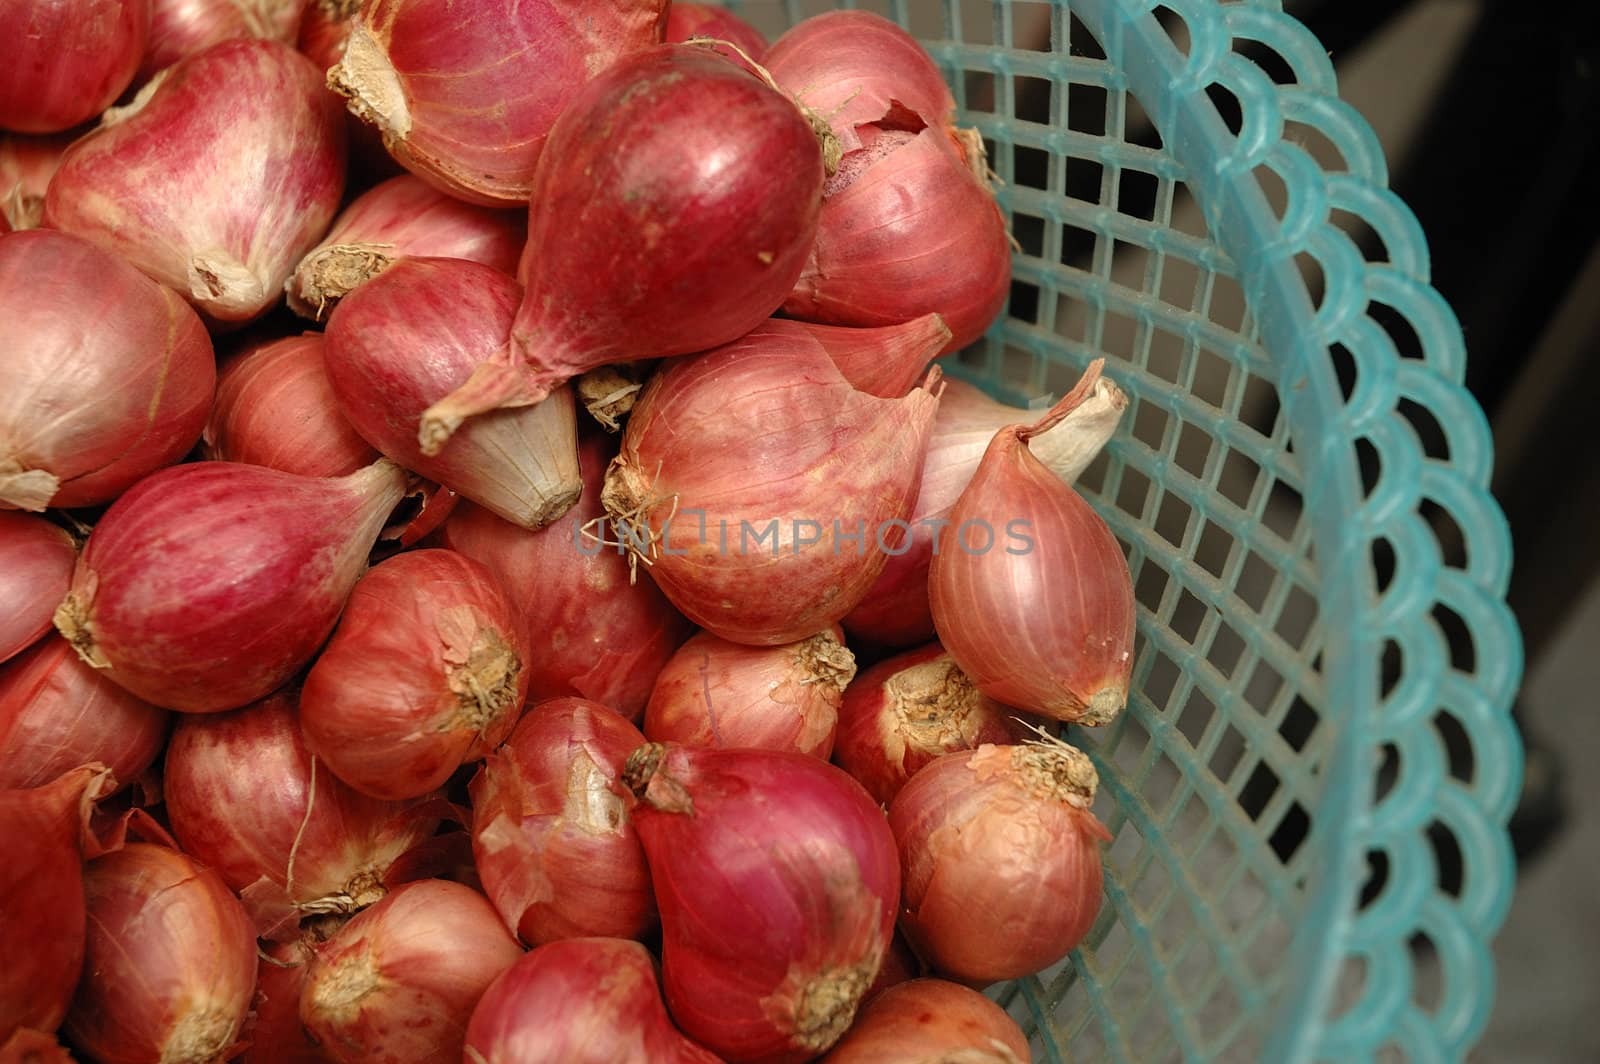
(609, 392)
(330, 273)
(826, 1005)
(485, 684)
(200, 1036)
(368, 80)
(1052, 770)
(26, 489)
(935, 705)
(646, 777)
(72, 619)
(823, 659)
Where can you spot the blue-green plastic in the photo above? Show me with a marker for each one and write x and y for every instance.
(1280, 781)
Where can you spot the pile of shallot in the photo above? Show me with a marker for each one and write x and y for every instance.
(492, 567)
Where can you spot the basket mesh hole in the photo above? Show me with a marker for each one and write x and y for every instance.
(1227, 105)
(1030, 168)
(1273, 187)
(1024, 304)
(1299, 616)
(1264, 686)
(1361, 231)
(1160, 785)
(1133, 496)
(1237, 478)
(1284, 507)
(1447, 856)
(1172, 519)
(1212, 373)
(1175, 26)
(1029, 232)
(977, 90)
(1198, 713)
(1256, 577)
(1084, 180)
(1186, 617)
(1086, 108)
(1457, 745)
(1161, 680)
(1118, 334)
(1081, 42)
(1377, 877)
(1371, 463)
(1164, 359)
(1137, 128)
(1136, 193)
(1435, 444)
(1030, 25)
(1227, 652)
(1291, 833)
(1148, 591)
(1216, 543)
(1032, 99)
(1259, 788)
(1225, 759)
(1399, 328)
(1193, 450)
(1311, 273)
(1299, 724)
(1131, 265)
(1315, 143)
(1180, 282)
(1388, 773)
(1383, 563)
(1274, 65)
(1187, 217)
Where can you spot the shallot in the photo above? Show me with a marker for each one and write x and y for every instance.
(777, 882)
(273, 1030)
(930, 1021)
(67, 61)
(887, 361)
(181, 28)
(26, 166)
(36, 560)
(208, 585)
(687, 21)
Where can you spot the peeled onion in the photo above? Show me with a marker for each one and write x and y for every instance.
(930, 1021)
(36, 560)
(181, 28)
(67, 61)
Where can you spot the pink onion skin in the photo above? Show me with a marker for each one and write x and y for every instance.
(906, 712)
(1001, 859)
(686, 20)
(551, 838)
(41, 894)
(406, 338)
(26, 166)
(169, 964)
(603, 636)
(117, 381)
(324, 29)
(717, 693)
(400, 980)
(928, 1020)
(580, 1001)
(68, 61)
(668, 154)
(207, 586)
(246, 797)
(57, 713)
(275, 407)
(761, 432)
(36, 560)
(888, 361)
(181, 28)
(777, 882)
(900, 965)
(425, 673)
(215, 180)
(472, 119)
(273, 1029)
(401, 216)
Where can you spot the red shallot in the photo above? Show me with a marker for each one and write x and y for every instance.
(673, 210)
(763, 490)
(930, 1021)
(717, 693)
(67, 61)
(424, 674)
(181, 28)
(208, 585)
(400, 980)
(215, 179)
(169, 964)
(106, 375)
(900, 965)
(551, 836)
(57, 713)
(601, 636)
(687, 21)
(26, 166)
(401, 216)
(580, 1001)
(777, 882)
(36, 560)
(1001, 857)
(469, 111)
(406, 338)
(273, 1029)
(887, 361)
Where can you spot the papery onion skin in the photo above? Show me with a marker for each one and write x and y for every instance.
(406, 338)
(57, 713)
(767, 437)
(602, 635)
(400, 980)
(909, 710)
(111, 378)
(181, 28)
(472, 118)
(36, 560)
(273, 1029)
(717, 693)
(68, 61)
(425, 673)
(777, 882)
(402, 216)
(26, 166)
(580, 1001)
(931, 1021)
(689, 20)
(1001, 859)
(246, 797)
(275, 407)
(551, 836)
(170, 962)
(215, 180)
(41, 894)
(208, 585)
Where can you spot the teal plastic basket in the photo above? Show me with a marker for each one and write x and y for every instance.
(1303, 741)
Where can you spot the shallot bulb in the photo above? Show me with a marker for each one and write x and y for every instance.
(1046, 621)
(601, 636)
(403, 340)
(551, 837)
(105, 375)
(246, 797)
(930, 1021)
(36, 560)
(215, 180)
(763, 490)
(425, 673)
(273, 1029)
(42, 897)
(674, 207)
(580, 1001)
(181, 28)
(687, 21)
(1001, 858)
(908, 711)
(472, 118)
(896, 611)
(67, 62)
(275, 407)
(57, 713)
(26, 166)
(717, 693)
(324, 30)
(777, 882)
(401, 216)
(400, 980)
(887, 361)
(170, 962)
(900, 965)
(207, 586)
